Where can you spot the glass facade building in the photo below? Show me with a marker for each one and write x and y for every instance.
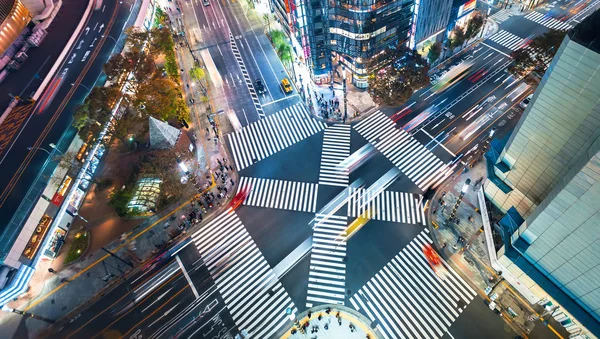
(344, 31)
(549, 171)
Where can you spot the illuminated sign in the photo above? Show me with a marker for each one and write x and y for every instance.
(467, 7)
(59, 196)
(356, 36)
(37, 237)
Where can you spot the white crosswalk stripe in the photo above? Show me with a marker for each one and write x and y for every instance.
(255, 298)
(418, 163)
(272, 134)
(387, 206)
(327, 273)
(280, 194)
(408, 300)
(336, 148)
(501, 16)
(507, 39)
(547, 21)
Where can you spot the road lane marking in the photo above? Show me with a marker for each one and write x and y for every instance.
(187, 277)
(278, 100)
(497, 50)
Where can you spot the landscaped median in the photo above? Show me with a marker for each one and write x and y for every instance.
(78, 247)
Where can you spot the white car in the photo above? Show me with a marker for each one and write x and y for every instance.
(523, 104)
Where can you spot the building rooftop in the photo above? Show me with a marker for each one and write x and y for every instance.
(587, 32)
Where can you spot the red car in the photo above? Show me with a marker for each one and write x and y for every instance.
(434, 261)
(239, 197)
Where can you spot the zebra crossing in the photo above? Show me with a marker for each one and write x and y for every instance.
(418, 163)
(327, 273)
(501, 16)
(255, 298)
(507, 39)
(547, 21)
(336, 148)
(249, 84)
(280, 194)
(391, 206)
(407, 298)
(272, 134)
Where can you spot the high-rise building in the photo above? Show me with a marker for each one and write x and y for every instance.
(549, 171)
(431, 20)
(345, 31)
(14, 17)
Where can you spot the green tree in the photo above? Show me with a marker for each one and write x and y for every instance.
(128, 123)
(395, 74)
(277, 37)
(158, 98)
(434, 52)
(475, 24)
(197, 73)
(538, 55)
(284, 51)
(457, 37)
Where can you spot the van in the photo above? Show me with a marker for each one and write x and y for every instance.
(287, 86)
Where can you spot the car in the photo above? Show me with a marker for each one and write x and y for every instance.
(206, 3)
(287, 86)
(260, 87)
(525, 101)
(239, 198)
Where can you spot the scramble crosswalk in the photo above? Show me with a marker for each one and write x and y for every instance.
(501, 16)
(272, 134)
(280, 194)
(507, 39)
(387, 206)
(255, 298)
(418, 163)
(336, 148)
(327, 272)
(547, 21)
(408, 299)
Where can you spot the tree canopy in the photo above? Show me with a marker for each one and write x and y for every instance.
(395, 74)
(434, 52)
(538, 55)
(457, 37)
(475, 24)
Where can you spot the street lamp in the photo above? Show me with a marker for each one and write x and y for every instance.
(292, 316)
(76, 214)
(52, 145)
(82, 85)
(108, 36)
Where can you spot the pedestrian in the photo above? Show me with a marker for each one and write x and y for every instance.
(320, 317)
(207, 130)
(225, 189)
(326, 327)
(232, 182)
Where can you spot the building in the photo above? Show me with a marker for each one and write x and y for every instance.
(343, 32)
(431, 20)
(14, 17)
(549, 171)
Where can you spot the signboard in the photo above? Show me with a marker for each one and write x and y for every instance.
(59, 196)
(37, 237)
(466, 8)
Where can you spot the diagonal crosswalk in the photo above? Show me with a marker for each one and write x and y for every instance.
(408, 300)
(418, 163)
(547, 21)
(280, 194)
(336, 148)
(387, 206)
(507, 39)
(327, 273)
(272, 134)
(255, 298)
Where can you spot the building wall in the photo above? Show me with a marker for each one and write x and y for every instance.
(432, 17)
(557, 128)
(14, 17)
(563, 234)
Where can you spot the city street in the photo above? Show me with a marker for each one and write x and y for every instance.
(48, 120)
(311, 232)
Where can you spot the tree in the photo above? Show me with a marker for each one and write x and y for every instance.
(115, 66)
(95, 111)
(457, 37)
(158, 98)
(474, 25)
(284, 51)
(395, 75)
(197, 73)
(434, 52)
(125, 125)
(538, 55)
(277, 37)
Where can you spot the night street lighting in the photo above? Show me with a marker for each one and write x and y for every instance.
(52, 145)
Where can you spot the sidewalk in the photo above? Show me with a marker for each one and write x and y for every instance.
(461, 242)
(60, 295)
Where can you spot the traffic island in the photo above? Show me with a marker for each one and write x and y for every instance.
(79, 246)
(329, 321)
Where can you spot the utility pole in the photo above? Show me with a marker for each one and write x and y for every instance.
(464, 190)
(116, 256)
